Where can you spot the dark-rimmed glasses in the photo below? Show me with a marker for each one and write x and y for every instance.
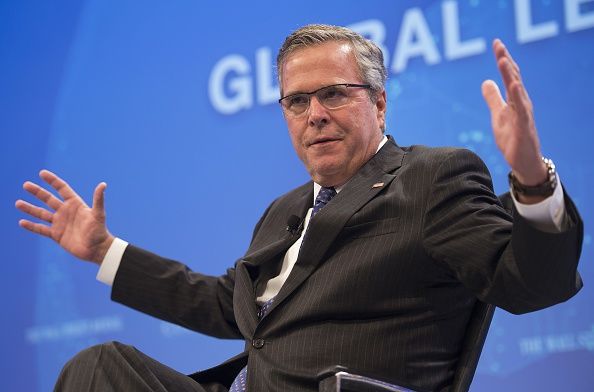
(331, 97)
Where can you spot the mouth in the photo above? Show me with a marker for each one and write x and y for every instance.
(322, 141)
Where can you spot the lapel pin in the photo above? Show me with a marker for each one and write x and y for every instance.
(377, 185)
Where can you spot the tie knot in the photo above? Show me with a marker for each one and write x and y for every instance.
(324, 196)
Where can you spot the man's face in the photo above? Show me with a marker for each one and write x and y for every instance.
(333, 144)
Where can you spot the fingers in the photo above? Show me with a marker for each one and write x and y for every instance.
(517, 96)
(58, 184)
(49, 199)
(492, 96)
(34, 211)
(501, 52)
(507, 74)
(35, 227)
(520, 100)
(99, 198)
(509, 70)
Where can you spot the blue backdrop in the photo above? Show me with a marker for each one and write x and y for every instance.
(168, 102)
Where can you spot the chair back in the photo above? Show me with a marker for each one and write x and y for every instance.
(474, 340)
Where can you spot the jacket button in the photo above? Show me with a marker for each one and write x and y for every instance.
(258, 343)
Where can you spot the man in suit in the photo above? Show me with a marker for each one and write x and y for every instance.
(375, 264)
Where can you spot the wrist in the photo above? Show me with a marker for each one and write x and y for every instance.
(531, 192)
(102, 249)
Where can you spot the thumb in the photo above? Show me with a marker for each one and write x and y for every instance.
(492, 96)
(99, 198)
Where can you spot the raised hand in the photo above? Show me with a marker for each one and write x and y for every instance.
(513, 120)
(79, 229)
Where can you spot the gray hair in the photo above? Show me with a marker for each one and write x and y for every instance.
(368, 55)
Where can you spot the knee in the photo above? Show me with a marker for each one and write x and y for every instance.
(84, 366)
(93, 357)
(96, 353)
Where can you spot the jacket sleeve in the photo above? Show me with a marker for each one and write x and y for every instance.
(170, 291)
(502, 260)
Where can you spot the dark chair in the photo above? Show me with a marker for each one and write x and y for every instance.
(338, 379)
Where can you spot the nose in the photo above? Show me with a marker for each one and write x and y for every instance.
(317, 114)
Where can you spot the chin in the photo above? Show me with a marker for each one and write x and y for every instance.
(328, 177)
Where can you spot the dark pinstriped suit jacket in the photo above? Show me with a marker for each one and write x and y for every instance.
(385, 281)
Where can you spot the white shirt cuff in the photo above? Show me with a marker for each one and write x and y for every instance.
(547, 215)
(111, 262)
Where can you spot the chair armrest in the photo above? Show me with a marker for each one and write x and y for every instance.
(337, 379)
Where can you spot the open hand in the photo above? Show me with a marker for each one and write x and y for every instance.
(513, 120)
(79, 229)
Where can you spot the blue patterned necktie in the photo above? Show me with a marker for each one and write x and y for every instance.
(323, 197)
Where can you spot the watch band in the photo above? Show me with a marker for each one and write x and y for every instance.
(544, 189)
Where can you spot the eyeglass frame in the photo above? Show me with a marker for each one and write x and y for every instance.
(309, 95)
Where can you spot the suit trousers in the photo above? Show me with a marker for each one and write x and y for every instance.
(118, 367)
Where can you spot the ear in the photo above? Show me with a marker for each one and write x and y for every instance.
(380, 105)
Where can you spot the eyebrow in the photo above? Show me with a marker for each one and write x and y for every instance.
(313, 91)
(302, 92)
(309, 92)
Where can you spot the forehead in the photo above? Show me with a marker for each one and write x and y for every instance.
(312, 67)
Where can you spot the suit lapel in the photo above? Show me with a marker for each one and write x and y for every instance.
(371, 179)
(244, 299)
(298, 206)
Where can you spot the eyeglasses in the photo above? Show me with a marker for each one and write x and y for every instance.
(331, 97)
